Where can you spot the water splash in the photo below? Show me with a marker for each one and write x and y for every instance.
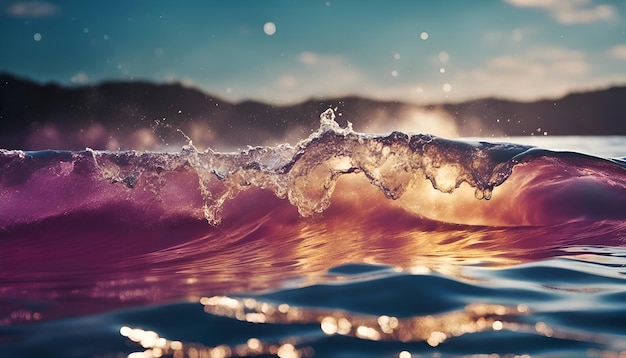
(307, 173)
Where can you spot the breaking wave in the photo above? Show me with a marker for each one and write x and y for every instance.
(307, 175)
(344, 244)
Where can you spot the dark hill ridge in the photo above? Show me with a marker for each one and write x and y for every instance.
(600, 112)
(142, 115)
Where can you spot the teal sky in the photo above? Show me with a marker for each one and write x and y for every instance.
(420, 51)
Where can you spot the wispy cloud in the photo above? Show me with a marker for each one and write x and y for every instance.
(33, 9)
(618, 52)
(540, 72)
(312, 59)
(316, 74)
(80, 78)
(571, 11)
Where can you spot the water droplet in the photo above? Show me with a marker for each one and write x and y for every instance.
(483, 193)
(269, 28)
(37, 37)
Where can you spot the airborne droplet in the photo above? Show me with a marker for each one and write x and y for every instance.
(269, 28)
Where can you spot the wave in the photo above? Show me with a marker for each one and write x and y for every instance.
(131, 227)
(548, 186)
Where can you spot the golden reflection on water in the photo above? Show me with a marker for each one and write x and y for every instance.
(432, 329)
(263, 243)
(360, 226)
(157, 347)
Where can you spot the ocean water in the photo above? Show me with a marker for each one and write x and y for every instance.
(343, 245)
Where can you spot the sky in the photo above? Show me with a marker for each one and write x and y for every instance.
(288, 51)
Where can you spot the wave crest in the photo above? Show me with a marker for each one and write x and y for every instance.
(306, 174)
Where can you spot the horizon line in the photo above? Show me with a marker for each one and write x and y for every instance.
(313, 98)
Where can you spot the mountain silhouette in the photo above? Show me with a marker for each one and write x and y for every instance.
(143, 115)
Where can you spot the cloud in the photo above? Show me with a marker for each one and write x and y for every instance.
(544, 61)
(313, 59)
(308, 58)
(33, 9)
(80, 78)
(571, 12)
(316, 74)
(618, 52)
(539, 72)
(547, 71)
